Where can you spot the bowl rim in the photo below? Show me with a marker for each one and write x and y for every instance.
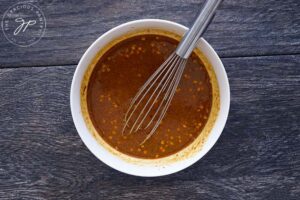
(96, 149)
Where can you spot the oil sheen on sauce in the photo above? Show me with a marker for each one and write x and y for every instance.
(117, 77)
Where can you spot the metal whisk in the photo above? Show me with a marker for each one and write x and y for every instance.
(153, 99)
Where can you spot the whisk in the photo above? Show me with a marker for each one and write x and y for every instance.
(150, 104)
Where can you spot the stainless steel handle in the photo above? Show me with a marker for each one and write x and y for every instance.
(188, 42)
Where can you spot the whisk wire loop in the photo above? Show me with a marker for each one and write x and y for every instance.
(151, 81)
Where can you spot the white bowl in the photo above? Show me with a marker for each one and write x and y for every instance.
(134, 168)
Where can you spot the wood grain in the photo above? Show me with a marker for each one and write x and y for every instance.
(257, 156)
(240, 28)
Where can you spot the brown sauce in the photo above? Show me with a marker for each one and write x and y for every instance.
(117, 77)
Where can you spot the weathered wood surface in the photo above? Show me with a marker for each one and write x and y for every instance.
(256, 157)
(240, 28)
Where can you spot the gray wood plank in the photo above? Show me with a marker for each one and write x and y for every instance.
(240, 28)
(257, 156)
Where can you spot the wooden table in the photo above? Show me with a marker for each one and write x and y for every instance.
(256, 157)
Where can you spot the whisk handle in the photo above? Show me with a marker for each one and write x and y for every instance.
(188, 42)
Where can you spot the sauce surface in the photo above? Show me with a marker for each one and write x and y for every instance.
(117, 77)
